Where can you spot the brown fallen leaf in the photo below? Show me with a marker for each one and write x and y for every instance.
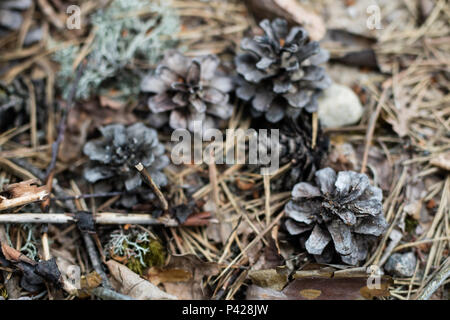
(89, 282)
(183, 276)
(160, 275)
(19, 194)
(14, 255)
(272, 278)
(244, 185)
(291, 10)
(131, 284)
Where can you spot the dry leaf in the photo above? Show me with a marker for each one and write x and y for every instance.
(14, 255)
(272, 278)
(291, 10)
(131, 284)
(190, 270)
(159, 275)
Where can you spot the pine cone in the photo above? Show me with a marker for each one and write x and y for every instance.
(189, 90)
(114, 156)
(12, 102)
(10, 16)
(344, 213)
(296, 148)
(280, 69)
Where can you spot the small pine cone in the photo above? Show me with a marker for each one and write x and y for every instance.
(296, 148)
(342, 213)
(13, 103)
(280, 72)
(114, 156)
(188, 90)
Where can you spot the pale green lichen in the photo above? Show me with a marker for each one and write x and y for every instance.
(120, 37)
(29, 248)
(137, 248)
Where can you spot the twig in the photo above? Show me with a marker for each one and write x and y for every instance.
(436, 282)
(63, 122)
(315, 128)
(108, 294)
(90, 195)
(148, 179)
(371, 129)
(267, 197)
(100, 218)
(22, 193)
(96, 263)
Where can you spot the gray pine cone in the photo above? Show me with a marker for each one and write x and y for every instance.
(343, 212)
(281, 69)
(296, 148)
(13, 103)
(114, 156)
(188, 90)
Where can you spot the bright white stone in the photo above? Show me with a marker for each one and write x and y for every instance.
(339, 106)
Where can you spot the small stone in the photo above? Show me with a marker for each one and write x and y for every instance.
(339, 106)
(401, 264)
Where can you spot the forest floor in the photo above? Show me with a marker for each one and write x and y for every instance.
(233, 245)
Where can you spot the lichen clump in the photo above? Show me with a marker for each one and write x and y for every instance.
(341, 214)
(121, 37)
(136, 249)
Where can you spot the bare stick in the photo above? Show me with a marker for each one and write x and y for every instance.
(100, 218)
(371, 129)
(436, 282)
(96, 263)
(315, 128)
(267, 197)
(148, 179)
(108, 294)
(22, 193)
(63, 123)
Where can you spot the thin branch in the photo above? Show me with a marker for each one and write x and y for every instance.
(100, 218)
(148, 179)
(63, 123)
(436, 282)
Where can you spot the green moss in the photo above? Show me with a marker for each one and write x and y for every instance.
(410, 224)
(155, 257)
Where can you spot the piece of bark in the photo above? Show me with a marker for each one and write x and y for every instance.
(19, 194)
(292, 11)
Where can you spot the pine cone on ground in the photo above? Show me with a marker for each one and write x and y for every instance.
(296, 148)
(280, 72)
(188, 90)
(114, 156)
(342, 214)
(13, 101)
(14, 104)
